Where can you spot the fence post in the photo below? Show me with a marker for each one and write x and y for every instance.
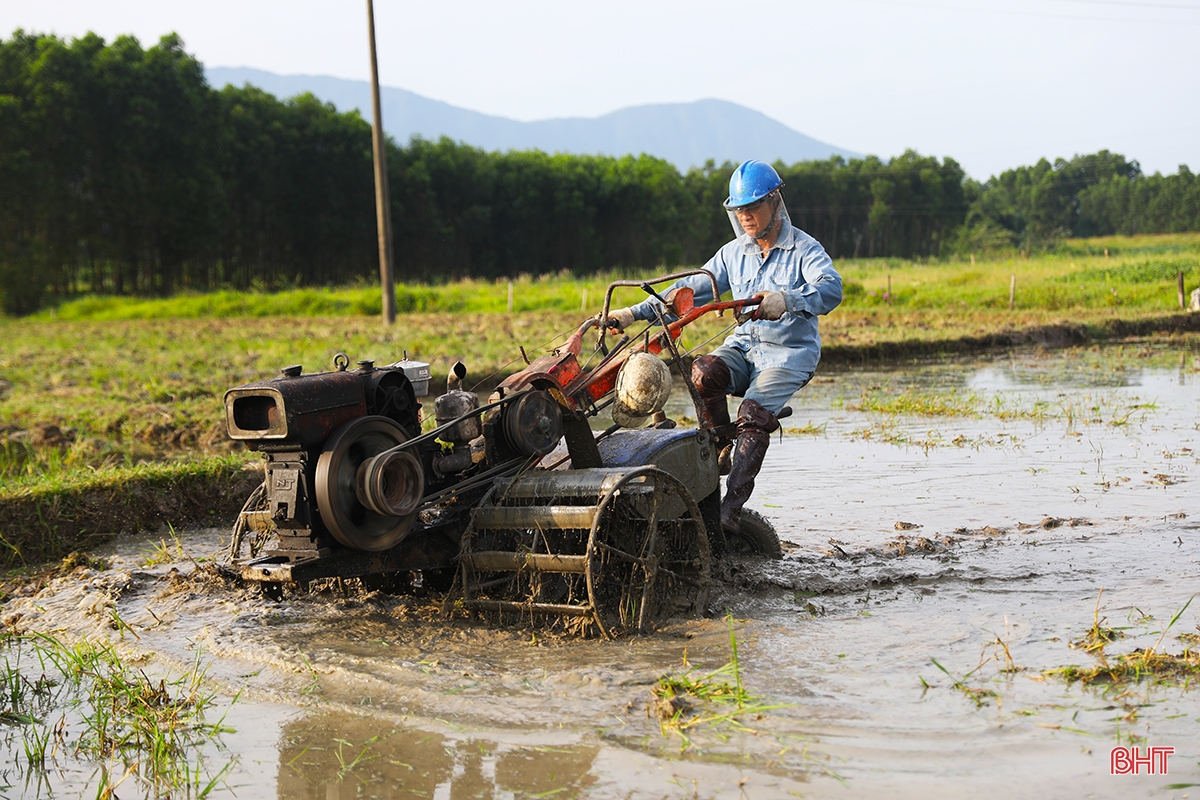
(1182, 300)
(889, 291)
(583, 303)
(1012, 292)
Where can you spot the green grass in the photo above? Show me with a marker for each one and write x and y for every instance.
(919, 402)
(1142, 664)
(557, 293)
(82, 701)
(691, 698)
(1138, 273)
(48, 517)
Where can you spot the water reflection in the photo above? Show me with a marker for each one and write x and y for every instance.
(337, 756)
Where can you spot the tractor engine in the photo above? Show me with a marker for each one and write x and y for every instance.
(331, 469)
(335, 469)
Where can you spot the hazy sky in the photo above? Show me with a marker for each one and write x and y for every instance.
(994, 84)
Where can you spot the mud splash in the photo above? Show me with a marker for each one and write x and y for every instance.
(924, 591)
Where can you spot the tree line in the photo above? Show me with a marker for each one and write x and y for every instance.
(123, 172)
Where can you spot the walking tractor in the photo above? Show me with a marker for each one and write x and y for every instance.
(515, 505)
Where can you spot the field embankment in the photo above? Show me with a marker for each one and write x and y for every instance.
(111, 410)
(44, 522)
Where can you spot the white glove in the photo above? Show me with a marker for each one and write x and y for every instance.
(620, 319)
(771, 306)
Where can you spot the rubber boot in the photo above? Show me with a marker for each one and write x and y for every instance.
(710, 374)
(747, 459)
(755, 426)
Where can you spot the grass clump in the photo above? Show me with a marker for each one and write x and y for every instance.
(917, 402)
(1134, 667)
(110, 714)
(1144, 663)
(1098, 636)
(691, 699)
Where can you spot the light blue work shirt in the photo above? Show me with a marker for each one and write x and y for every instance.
(799, 268)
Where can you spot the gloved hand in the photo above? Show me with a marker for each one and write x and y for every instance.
(771, 306)
(620, 319)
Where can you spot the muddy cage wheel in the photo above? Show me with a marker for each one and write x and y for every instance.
(647, 556)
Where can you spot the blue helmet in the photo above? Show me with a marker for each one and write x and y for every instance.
(751, 182)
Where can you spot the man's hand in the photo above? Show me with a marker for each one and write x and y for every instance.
(771, 306)
(620, 319)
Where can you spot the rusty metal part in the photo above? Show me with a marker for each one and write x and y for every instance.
(437, 432)
(453, 463)
(297, 411)
(340, 488)
(483, 479)
(430, 548)
(558, 369)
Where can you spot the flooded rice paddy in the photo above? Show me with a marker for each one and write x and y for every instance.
(948, 530)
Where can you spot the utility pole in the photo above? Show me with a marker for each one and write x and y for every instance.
(382, 217)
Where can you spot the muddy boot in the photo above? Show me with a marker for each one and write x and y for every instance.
(755, 426)
(711, 377)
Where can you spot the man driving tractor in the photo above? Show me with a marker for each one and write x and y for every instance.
(774, 351)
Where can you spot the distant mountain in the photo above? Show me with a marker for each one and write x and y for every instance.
(686, 134)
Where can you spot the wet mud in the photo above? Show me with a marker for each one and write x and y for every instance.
(934, 568)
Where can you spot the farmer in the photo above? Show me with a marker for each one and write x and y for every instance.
(771, 355)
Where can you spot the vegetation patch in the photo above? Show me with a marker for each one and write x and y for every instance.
(1134, 667)
(1145, 663)
(84, 509)
(84, 702)
(914, 401)
(691, 699)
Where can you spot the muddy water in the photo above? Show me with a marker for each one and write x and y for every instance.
(912, 541)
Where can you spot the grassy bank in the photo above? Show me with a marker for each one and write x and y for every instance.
(86, 507)
(109, 402)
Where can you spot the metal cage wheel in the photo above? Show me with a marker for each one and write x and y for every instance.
(644, 565)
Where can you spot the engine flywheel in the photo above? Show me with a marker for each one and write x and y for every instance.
(368, 500)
